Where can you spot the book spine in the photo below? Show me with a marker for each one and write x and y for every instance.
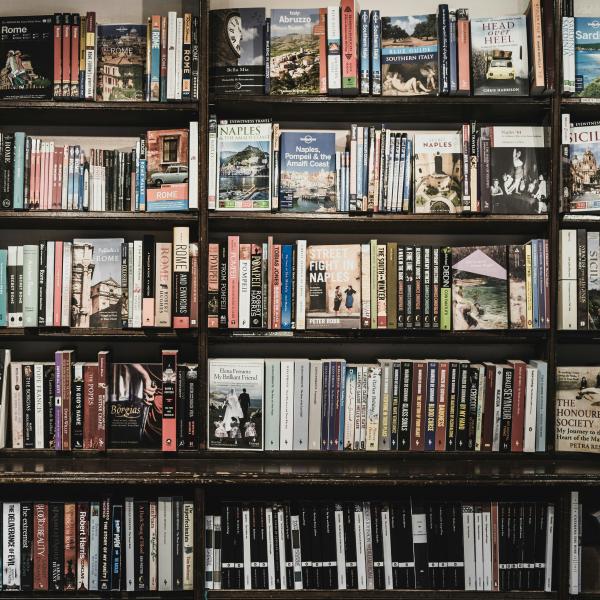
(57, 47)
(334, 58)
(40, 547)
(244, 286)
(163, 285)
(90, 56)
(443, 23)
(75, 43)
(349, 48)
(568, 46)
(70, 547)
(178, 58)
(83, 549)
(233, 257)
(363, 38)
(169, 382)
(463, 34)
(375, 53)
(181, 277)
(186, 59)
(508, 391)
(195, 85)
(537, 73)
(582, 298)
(78, 407)
(18, 170)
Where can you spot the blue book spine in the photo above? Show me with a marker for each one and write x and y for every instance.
(18, 170)
(3, 288)
(76, 188)
(142, 185)
(375, 53)
(365, 67)
(155, 64)
(286, 286)
(541, 283)
(342, 407)
(535, 283)
(325, 405)
(70, 178)
(430, 416)
(453, 55)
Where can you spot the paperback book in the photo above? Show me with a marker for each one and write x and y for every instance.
(587, 54)
(584, 169)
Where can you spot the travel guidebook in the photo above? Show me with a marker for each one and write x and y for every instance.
(499, 58)
(578, 409)
(307, 178)
(479, 288)
(333, 287)
(587, 55)
(295, 57)
(26, 57)
(438, 172)
(520, 175)
(237, 51)
(121, 62)
(409, 55)
(236, 404)
(584, 172)
(244, 170)
(96, 283)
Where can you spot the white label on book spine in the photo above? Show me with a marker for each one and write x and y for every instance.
(11, 555)
(286, 432)
(549, 548)
(387, 548)
(469, 546)
(38, 379)
(270, 549)
(188, 546)
(246, 547)
(340, 550)
(574, 545)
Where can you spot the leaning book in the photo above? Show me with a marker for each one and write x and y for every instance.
(235, 404)
(499, 57)
(578, 409)
(244, 166)
(97, 300)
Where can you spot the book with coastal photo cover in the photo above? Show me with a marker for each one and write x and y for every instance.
(333, 287)
(479, 288)
(587, 55)
(236, 404)
(517, 287)
(438, 172)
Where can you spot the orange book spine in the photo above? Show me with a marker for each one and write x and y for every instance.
(321, 30)
(276, 301)
(58, 260)
(349, 52)
(538, 83)
(74, 69)
(57, 80)
(66, 56)
(194, 284)
(463, 36)
(233, 289)
(169, 385)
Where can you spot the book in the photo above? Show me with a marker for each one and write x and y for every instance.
(587, 50)
(236, 404)
(499, 56)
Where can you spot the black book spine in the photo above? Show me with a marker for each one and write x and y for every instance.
(116, 572)
(419, 538)
(6, 191)
(26, 546)
(256, 299)
(56, 543)
(77, 408)
(473, 397)
(418, 289)
(453, 387)
(226, 545)
(186, 67)
(148, 272)
(105, 554)
(435, 288)
(582, 280)
(43, 259)
(267, 50)
(329, 570)
(443, 23)
(305, 544)
(238, 548)
(195, 91)
(177, 543)
(426, 286)
(507, 408)
(350, 547)
(290, 577)
(28, 407)
(462, 432)
(180, 409)
(432, 547)
(316, 548)
(49, 407)
(277, 550)
(191, 401)
(378, 559)
(127, 182)
(396, 379)
(409, 286)
(252, 511)
(401, 294)
(223, 321)
(405, 405)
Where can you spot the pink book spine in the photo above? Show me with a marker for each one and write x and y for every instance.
(50, 193)
(56, 199)
(276, 286)
(33, 174)
(66, 400)
(65, 173)
(58, 260)
(38, 173)
(44, 177)
(269, 299)
(233, 259)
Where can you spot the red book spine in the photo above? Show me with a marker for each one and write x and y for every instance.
(99, 435)
(58, 261)
(495, 548)
(442, 407)
(194, 284)
(74, 79)
(276, 300)
(66, 56)
(57, 55)
(163, 58)
(269, 299)
(66, 399)
(213, 285)
(40, 547)
(90, 399)
(70, 541)
(169, 383)
(463, 40)
(418, 406)
(518, 417)
(43, 179)
(349, 55)
(83, 545)
(233, 258)
(487, 429)
(321, 31)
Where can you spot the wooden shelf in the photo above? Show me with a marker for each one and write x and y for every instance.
(580, 220)
(374, 595)
(578, 336)
(99, 595)
(259, 222)
(39, 333)
(63, 219)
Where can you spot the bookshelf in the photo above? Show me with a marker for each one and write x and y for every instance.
(209, 476)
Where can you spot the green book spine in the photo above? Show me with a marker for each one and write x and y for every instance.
(19, 170)
(446, 290)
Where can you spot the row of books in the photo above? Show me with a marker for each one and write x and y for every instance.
(406, 543)
(157, 171)
(377, 286)
(342, 50)
(110, 545)
(259, 165)
(101, 283)
(418, 405)
(584, 544)
(71, 57)
(71, 405)
(579, 279)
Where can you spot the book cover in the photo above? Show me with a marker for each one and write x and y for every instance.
(121, 63)
(236, 404)
(479, 288)
(96, 283)
(499, 57)
(519, 178)
(516, 290)
(584, 153)
(167, 152)
(587, 53)
(27, 55)
(409, 51)
(237, 61)
(333, 287)
(295, 52)
(438, 172)
(307, 171)
(577, 399)
(135, 405)
(243, 163)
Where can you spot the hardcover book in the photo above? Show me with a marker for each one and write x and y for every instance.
(167, 152)
(587, 53)
(333, 287)
(499, 57)
(121, 62)
(438, 172)
(479, 288)
(577, 400)
(236, 404)
(96, 283)
(26, 53)
(135, 406)
(519, 164)
(409, 55)
(295, 51)
(308, 172)
(244, 169)
(237, 46)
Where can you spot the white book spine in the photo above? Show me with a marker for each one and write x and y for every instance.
(469, 546)
(94, 545)
(208, 552)
(301, 403)
(574, 545)
(349, 407)
(487, 548)
(270, 549)
(549, 548)
(244, 291)
(11, 546)
(4, 394)
(193, 166)
(212, 166)
(387, 548)
(49, 283)
(478, 549)
(16, 404)
(272, 403)
(153, 548)
(286, 432)
(568, 41)
(38, 383)
(64, 199)
(374, 394)
(137, 263)
(340, 549)
(246, 549)
(334, 63)
(165, 544)
(542, 398)
(171, 54)
(365, 283)
(296, 551)
(217, 554)
(65, 315)
(283, 564)
(179, 58)
(359, 535)
(497, 410)
(316, 397)
(129, 546)
(301, 284)
(188, 546)
(567, 279)
(530, 409)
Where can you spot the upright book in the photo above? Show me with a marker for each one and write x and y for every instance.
(587, 54)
